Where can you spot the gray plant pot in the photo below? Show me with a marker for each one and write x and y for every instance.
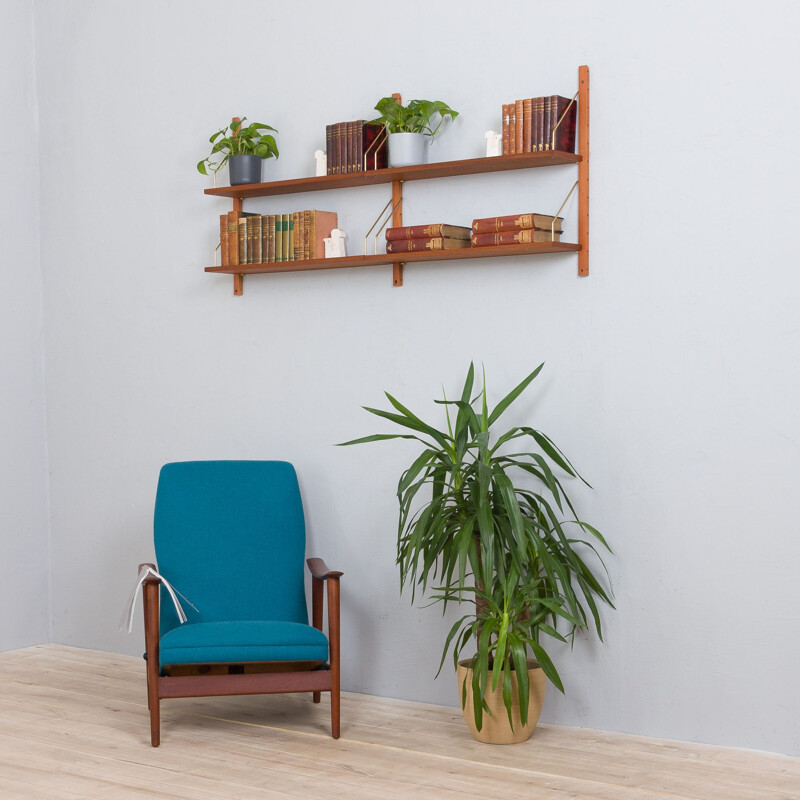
(407, 149)
(244, 169)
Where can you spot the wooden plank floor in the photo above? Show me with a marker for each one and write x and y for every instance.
(74, 724)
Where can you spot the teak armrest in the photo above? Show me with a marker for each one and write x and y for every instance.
(319, 569)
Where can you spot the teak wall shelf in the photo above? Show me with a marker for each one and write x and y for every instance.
(397, 176)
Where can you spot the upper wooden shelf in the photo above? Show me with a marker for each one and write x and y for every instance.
(443, 169)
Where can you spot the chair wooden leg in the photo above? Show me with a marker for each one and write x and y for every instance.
(153, 659)
(155, 721)
(317, 696)
(335, 712)
(333, 639)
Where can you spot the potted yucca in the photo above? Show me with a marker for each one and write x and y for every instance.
(485, 519)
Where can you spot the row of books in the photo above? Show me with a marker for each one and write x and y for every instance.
(258, 238)
(485, 232)
(538, 124)
(355, 146)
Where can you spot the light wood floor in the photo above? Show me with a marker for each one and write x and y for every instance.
(74, 724)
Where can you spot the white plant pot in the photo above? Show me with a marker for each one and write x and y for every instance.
(407, 149)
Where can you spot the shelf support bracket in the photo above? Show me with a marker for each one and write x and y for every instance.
(238, 279)
(397, 222)
(583, 170)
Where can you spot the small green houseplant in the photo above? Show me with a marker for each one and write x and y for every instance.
(244, 146)
(481, 518)
(411, 127)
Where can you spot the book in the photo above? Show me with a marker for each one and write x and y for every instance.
(512, 128)
(506, 130)
(329, 147)
(279, 237)
(427, 231)
(223, 240)
(431, 243)
(233, 239)
(271, 253)
(373, 151)
(564, 115)
(515, 222)
(288, 242)
(515, 237)
(242, 234)
(519, 112)
(321, 223)
(527, 119)
(264, 237)
(539, 135)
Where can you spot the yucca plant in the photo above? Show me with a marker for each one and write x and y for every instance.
(482, 517)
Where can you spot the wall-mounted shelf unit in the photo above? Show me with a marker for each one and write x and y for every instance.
(397, 176)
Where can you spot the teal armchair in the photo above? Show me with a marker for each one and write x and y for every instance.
(230, 537)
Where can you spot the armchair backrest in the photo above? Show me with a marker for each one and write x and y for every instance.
(230, 536)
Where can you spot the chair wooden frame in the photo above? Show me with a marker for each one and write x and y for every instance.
(316, 679)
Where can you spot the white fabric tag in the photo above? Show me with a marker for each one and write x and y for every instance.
(127, 619)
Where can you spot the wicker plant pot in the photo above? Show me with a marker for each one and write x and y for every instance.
(495, 729)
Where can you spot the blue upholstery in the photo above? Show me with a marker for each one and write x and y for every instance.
(230, 536)
(213, 642)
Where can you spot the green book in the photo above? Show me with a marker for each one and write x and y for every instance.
(279, 237)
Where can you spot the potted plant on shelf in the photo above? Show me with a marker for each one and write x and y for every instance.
(480, 523)
(411, 127)
(243, 148)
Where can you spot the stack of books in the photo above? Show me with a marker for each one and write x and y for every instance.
(532, 125)
(516, 229)
(426, 237)
(262, 238)
(355, 146)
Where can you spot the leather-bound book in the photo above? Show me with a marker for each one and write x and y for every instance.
(242, 234)
(321, 225)
(279, 237)
(268, 224)
(547, 124)
(519, 113)
(506, 130)
(540, 124)
(265, 237)
(233, 239)
(329, 147)
(337, 148)
(527, 118)
(223, 240)
(290, 237)
(512, 237)
(255, 240)
(431, 243)
(427, 232)
(344, 148)
(374, 147)
(512, 128)
(515, 222)
(565, 132)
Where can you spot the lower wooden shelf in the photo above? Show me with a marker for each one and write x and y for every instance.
(397, 259)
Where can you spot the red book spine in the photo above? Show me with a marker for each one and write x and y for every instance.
(512, 128)
(506, 130)
(519, 113)
(329, 147)
(514, 237)
(527, 112)
(427, 232)
(540, 124)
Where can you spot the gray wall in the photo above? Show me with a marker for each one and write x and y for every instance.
(24, 526)
(671, 374)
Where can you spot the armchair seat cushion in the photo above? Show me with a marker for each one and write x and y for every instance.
(241, 641)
